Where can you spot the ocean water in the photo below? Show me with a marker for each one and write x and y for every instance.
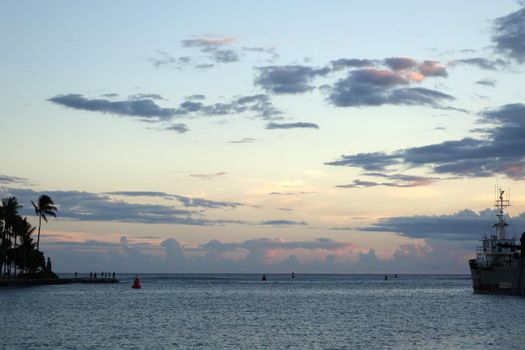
(238, 311)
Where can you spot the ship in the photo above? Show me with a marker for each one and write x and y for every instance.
(499, 264)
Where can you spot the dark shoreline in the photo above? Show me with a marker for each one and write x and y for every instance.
(38, 282)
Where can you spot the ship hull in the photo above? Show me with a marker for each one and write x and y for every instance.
(499, 279)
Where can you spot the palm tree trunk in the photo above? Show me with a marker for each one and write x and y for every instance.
(15, 255)
(39, 224)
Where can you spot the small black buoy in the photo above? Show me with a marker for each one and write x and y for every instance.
(386, 278)
(263, 277)
(293, 274)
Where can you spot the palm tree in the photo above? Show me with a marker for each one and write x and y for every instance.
(44, 208)
(9, 210)
(23, 229)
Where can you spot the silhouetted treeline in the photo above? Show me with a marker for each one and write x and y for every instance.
(20, 256)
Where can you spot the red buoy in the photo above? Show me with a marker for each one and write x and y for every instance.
(136, 283)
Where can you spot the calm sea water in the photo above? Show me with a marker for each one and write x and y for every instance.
(227, 311)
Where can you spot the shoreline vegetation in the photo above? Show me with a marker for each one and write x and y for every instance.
(21, 261)
(20, 256)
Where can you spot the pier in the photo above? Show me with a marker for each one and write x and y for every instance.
(37, 282)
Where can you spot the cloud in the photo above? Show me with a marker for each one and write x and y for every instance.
(482, 63)
(487, 82)
(400, 63)
(303, 125)
(86, 206)
(215, 48)
(462, 225)
(375, 87)
(283, 222)
(208, 44)
(145, 96)
(204, 66)
(400, 180)
(259, 104)
(186, 201)
(163, 58)
(292, 79)
(509, 35)
(178, 128)
(205, 203)
(270, 51)
(432, 69)
(501, 150)
(344, 63)
(209, 176)
(290, 193)
(243, 140)
(9, 180)
(143, 108)
(173, 256)
(197, 97)
(225, 56)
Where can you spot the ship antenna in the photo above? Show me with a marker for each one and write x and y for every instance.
(501, 204)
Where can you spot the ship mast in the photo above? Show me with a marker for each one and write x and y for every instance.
(501, 204)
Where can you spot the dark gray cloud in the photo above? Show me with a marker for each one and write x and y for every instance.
(487, 82)
(293, 79)
(482, 63)
(205, 203)
(198, 97)
(509, 35)
(283, 222)
(344, 63)
(163, 58)
(110, 95)
(225, 56)
(190, 202)
(86, 206)
(204, 65)
(501, 150)
(302, 125)
(260, 105)
(400, 63)
(144, 96)
(397, 180)
(11, 180)
(432, 69)
(215, 48)
(144, 108)
(463, 225)
(207, 44)
(375, 87)
(178, 128)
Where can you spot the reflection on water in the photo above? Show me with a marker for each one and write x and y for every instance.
(239, 311)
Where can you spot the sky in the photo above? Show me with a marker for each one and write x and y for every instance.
(305, 136)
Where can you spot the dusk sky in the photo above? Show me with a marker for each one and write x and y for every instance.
(306, 136)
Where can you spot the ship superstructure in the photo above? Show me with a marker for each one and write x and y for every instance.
(499, 263)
